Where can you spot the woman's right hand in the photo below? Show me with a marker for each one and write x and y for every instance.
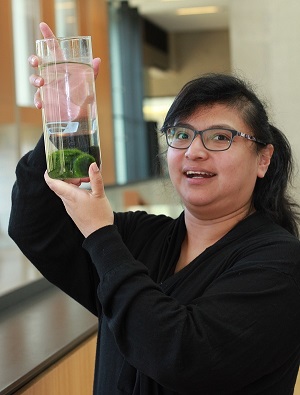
(35, 79)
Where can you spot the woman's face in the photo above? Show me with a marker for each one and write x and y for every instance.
(214, 184)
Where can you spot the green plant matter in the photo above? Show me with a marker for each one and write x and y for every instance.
(69, 163)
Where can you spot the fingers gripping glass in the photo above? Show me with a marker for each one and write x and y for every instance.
(214, 139)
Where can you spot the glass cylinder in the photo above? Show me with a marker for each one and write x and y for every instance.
(70, 119)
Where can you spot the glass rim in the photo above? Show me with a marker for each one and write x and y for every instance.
(63, 38)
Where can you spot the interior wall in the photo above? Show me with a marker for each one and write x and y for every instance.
(268, 56)
(191, 54)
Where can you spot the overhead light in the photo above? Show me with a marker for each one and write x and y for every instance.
(198, 10)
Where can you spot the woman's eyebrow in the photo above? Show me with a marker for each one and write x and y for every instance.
(213, 126)
(220, 126)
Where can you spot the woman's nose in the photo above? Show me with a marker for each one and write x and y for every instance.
(196, 149)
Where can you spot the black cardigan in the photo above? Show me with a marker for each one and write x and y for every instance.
(228, 323)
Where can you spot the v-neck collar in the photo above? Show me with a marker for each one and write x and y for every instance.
(243, 227)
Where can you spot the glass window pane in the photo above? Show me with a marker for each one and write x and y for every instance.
(66, 18)
(26, 18)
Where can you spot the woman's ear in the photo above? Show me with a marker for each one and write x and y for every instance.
(264, 160)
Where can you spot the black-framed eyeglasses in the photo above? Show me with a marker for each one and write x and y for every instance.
(213, 139)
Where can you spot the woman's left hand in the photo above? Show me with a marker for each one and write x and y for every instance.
(90, 210)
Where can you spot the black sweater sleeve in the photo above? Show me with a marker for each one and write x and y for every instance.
(223, 339)
(47, 236)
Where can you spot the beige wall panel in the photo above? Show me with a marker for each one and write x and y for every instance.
(297, 388)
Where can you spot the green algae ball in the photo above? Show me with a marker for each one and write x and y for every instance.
(69, 163)
(81, 165)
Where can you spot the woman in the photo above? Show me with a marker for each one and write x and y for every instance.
(207, 303)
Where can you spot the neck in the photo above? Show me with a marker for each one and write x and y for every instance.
(211, 230)
(202, 233)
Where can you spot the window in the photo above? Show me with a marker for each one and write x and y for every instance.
(26, 15)
(66, 18)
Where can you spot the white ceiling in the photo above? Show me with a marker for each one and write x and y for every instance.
(163, 14)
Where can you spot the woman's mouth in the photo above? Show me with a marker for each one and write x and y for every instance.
(199, 174)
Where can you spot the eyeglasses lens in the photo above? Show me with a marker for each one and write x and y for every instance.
(212, 139)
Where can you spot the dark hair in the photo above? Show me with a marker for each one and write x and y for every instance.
(270, 194)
